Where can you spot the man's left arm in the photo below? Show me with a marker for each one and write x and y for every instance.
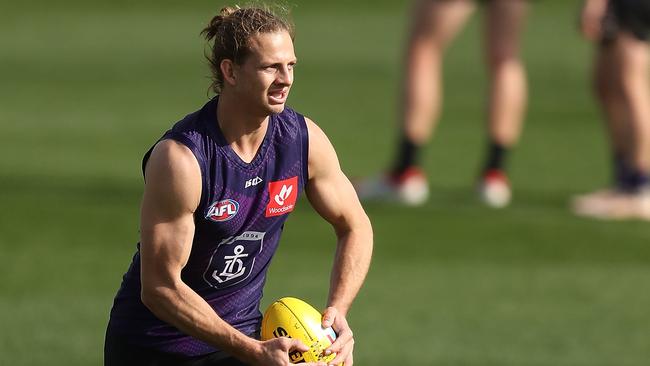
(331, 194)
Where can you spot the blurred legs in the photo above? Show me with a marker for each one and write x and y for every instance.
(436, 23)
(508, 90)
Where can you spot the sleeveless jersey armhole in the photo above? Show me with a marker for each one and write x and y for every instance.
(304, 143)
(195, 151)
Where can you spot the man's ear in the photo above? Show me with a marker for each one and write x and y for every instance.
(229, 72)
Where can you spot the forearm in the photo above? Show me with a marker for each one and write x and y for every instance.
(351, 263)
(183, 308)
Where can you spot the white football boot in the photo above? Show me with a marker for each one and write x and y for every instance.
(494, 189)
(613, 204)
(409, 188)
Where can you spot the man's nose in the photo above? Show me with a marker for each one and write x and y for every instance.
(285, 76)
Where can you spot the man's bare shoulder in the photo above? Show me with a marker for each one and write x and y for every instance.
(322, 156)
(317, 138)
(171, 155)
(173, 173)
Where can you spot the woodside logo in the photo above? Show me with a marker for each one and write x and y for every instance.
(282, 197)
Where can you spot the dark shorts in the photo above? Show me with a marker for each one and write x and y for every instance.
(117, 352)
(632, 16)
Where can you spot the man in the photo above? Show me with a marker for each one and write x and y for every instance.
(621, 28)
(434, 25)
(218, 188)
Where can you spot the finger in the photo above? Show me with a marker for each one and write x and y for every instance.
(340, 324)
(342, 339)
(344, 355)
(328, 317)
(297, 345)
(283, 343)
(350, 360)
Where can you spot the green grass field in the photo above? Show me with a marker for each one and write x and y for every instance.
(86, 87)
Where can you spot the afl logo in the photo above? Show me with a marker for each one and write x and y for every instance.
(222, 210)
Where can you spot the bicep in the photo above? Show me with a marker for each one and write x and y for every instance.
(328, 189)
(334, 198)
(171, 195)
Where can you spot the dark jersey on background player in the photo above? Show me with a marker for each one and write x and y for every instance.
(218, 188)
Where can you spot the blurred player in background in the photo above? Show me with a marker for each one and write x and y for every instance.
(434, 25)
(620, 79)
(219, 186)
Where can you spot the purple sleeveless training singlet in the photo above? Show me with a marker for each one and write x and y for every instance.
(238, 225)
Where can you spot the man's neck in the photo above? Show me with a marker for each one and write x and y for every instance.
(243, 130)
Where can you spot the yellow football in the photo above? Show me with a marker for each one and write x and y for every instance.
(294, 318)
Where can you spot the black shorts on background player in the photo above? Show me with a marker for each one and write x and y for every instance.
(631, 16)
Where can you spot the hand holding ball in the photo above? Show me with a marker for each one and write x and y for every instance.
(294, 318)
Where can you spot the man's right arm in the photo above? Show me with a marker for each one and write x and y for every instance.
(172, 194)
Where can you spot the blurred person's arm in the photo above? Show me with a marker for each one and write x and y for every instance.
(333, 197)
(591, 19)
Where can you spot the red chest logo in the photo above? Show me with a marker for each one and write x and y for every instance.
(282, 197)
(222, 210)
